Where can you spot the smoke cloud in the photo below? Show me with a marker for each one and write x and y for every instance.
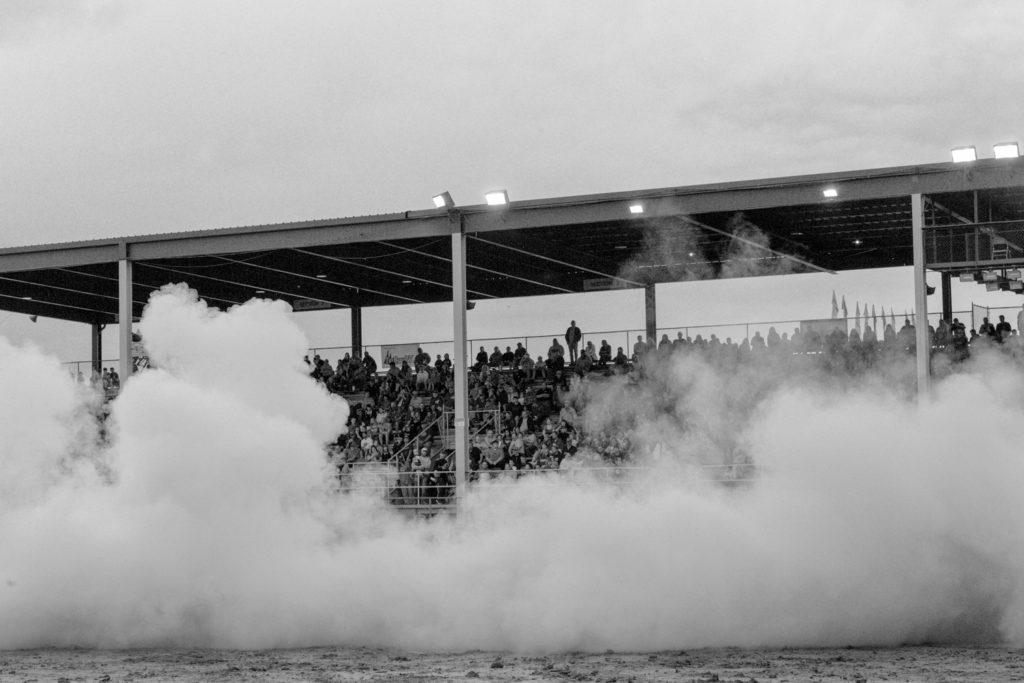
(208, 516)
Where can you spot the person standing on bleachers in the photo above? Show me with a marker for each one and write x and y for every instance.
(573, 335)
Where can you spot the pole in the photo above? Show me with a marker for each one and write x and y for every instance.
(650, 312)
(124, 314)
(923, 343)
(459, 356)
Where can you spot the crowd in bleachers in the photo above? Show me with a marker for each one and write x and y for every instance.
(518, 423)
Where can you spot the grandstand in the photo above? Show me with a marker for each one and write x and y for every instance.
(963, 220)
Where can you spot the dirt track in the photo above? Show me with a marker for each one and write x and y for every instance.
(924, 664)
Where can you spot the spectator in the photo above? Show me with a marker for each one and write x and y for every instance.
(556, 349)
(604, 354)
(573, 335)
(481, 359)
(1003, 329)
(639, 348)
(508, 358)
(519, 354)
(369, 363)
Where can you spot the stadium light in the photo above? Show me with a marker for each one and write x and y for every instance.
(636, 208)
(443, 200)
(1006, 150)
(830, 192)
(497, 197)
(967, 277)
(961, 154)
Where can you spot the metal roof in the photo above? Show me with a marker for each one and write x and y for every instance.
(533, 247)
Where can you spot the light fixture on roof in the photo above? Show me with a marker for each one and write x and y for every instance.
(636, 208)
(967, 277)
(406, 282)
(1013, 274)
(1006, 150)
(857, 242)
(443, 200)
(961, 154)
(691, 254)
(830, 192)
(1016, 286)
(261, 291)
(321, 276)
(496, 197)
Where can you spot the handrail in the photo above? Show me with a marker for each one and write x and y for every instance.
(414, 441)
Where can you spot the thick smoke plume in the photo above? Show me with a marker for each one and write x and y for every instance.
(208, 516)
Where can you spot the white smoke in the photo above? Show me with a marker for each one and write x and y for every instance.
(210, 518)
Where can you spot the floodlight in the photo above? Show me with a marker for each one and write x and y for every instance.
(991, 286)
(1017, 286)
(857, 242)
(321, 276)
(442, 200)
(966, 277)
(830, 192)
(989, 276)
(1006, 150)
(497, 197)
(636, 208)
(1013, 274)
(261, 291)
(961, 154)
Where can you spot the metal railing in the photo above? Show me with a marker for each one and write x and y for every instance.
(415, 492)
(537, 345)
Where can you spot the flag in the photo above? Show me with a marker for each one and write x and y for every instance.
(874, 317)
(845, 313)
(835, 306)
(857, 316)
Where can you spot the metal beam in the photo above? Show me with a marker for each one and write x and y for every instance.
(357, 331)
(650, 313)
(632, 283)
(460, 361)
(267, 238)
(318, 280)
(240, 284)
(96, 347)
(922, 342)
(124, 320)
(485, 270)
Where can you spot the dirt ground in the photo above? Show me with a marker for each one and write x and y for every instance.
(924, 664)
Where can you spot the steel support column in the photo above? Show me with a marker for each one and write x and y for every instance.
(459, 358)
(923, 343)
(124, 316)
(947, 297)
(357, 332)
(96, 346)
(650, 313)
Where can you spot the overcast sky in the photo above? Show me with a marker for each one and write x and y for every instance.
(126, 117)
